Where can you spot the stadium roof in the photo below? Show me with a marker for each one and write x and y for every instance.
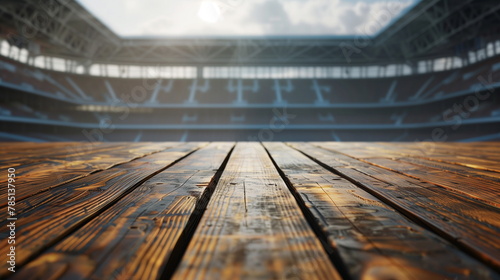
(431, 28)
(236, 18)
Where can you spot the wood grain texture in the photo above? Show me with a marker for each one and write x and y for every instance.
(14, 155)
(374, 241)
(419, 154)
(253, 228)
(331, 210)
(45, 218)
(456, 154)
(39, 176)
(483, 151)
(134, 238)
(453, 168)
(468, 223)
(478, 188)
(59, 152)
(7, 147)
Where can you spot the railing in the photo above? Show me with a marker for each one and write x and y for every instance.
(291, 72)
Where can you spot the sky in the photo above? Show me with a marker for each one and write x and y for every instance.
(246, 17)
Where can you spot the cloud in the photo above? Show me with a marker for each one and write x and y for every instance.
(343, 17)
(248, 17)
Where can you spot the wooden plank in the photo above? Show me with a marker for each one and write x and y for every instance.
(55, 155)
(483, 152)
(49, 216)
(42, 176)
(61, 167)
(457, 169)
(423, 150)
(134, 238)
(13, 155)
(466, 222)
(8, 146)
(376, 150)
(481, 189)
(19, 156)
(29, 147)
(491, 146)
(468, 161)
(373, 240)
(253, 228)
(484, 190)
(431, 151)
(486, 153)
(72, 153)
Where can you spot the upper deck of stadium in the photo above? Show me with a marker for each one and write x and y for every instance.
(441, 31)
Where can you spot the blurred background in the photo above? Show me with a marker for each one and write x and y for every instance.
(263, 70)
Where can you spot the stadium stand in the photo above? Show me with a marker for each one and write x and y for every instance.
(402, 106)
(239, 173)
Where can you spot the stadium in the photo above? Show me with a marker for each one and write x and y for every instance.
(234, 139)
(65, 75)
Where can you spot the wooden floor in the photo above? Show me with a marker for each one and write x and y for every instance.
(274, 210)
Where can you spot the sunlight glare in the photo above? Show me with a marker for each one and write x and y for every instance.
(209, 11)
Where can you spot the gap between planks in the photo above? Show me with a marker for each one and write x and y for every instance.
(66, 209)
(269, 240)
(150, 226)
(473, 226)
(373, 239)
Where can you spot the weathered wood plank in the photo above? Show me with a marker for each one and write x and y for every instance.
(47, 217)
(71, 153)
(56, 155)
(8, 146)
(134, 238)
(488, 153)
(483, 151)
(457, 169)
(373, 239)
(433, 152)
(481, 189)
(417, 157)
(490, 146)
(484, 190)
(460, 156)
(253, 228)
(466, 222)
(22, 156)
(13, 155)
(41, 176)
(18, 156)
